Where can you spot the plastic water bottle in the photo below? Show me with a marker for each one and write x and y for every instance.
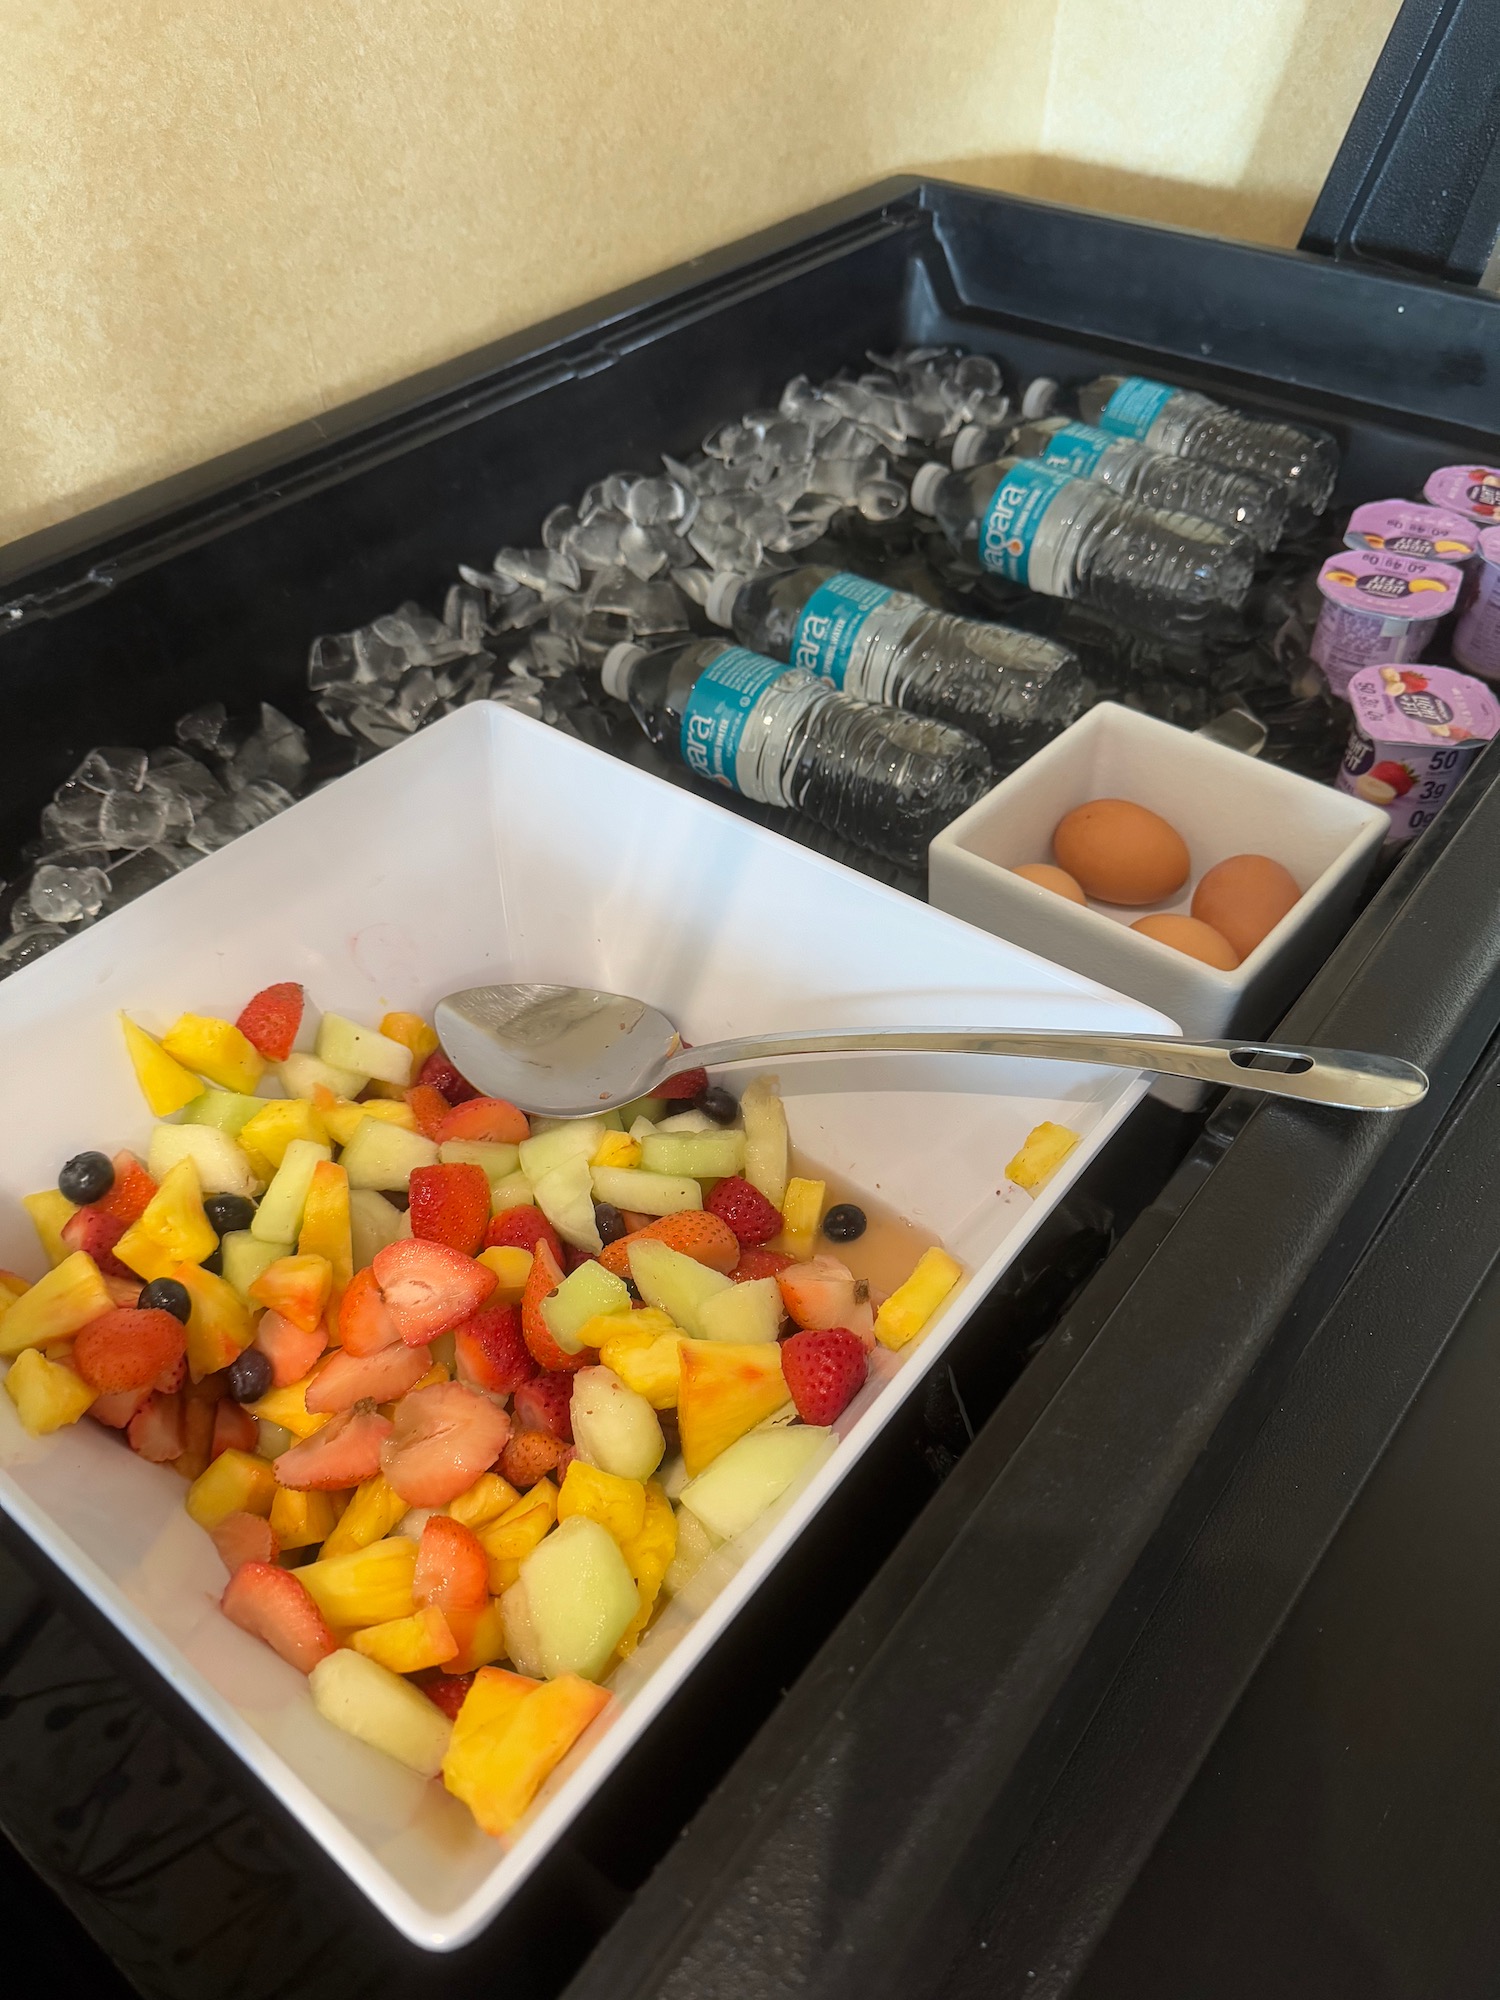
(1187, 425)
(1237, 500)
(1003, 686)
(1063, 536)
(779, 735)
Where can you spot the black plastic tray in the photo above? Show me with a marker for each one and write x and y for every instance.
(1007, 1608)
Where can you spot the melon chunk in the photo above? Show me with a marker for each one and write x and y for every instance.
(223, 1167)
(647, 1194)
(373, 1222)
(381, 1155)
(279, 1217)
(565, 1195)
(767, 1141)
(678, 1284)
(575, 1596)
(751, 1311)
(547, 1150)
(583, 1295)
(614, 1428)
(370, 1702)
(746, 1477)
(302, 1074)
(346, 1045)
(702, 1155)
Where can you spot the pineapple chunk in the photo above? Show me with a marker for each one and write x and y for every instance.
(381, 1155)
(286, 1407)
(347, 1045)
(575, 1596)
(726, 1389)
(503, 1765)
(512, 1267)
(223, 1167)
(301, 1520)
(767, 1142)
(492, 1700)
(245, 1257)
(46, 1394)
(613, 1427)
(279, 1121)
(481, 1639)
(237, 1482)
(49, 1210)
(913, 1303)
(370, 1515)
(1046, 1147)
(302, 1075)
(369, 1701)
(413, 1033)
(615, 1503)
(643, 1348)
(60, 1304)
(219, 1326)
(172, 1229)
(486, 1500)
(11, 1288)
(407, 1645)
(617, 1149)
(327, 1228)
(370, 1586)
(509, 1539)
(279, 1217)
(165, 1084)
(215, 1049)
(649, 1554)
(297, 1287)
(801, 1212)
(344, 1119)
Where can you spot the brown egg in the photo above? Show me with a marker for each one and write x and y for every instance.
(1120, 852)
(1058, 880)
(1188, 935)
(1245, 898)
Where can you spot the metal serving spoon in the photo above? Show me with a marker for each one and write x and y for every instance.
(567, 1051)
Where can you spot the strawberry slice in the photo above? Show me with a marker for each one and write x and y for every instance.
(486, 1118)
(117, 1410)
(127, 1348)
(491, 1352)
(447, 1691)
(440, 1074)
(429, 1287)
(452, 1573)
(344, 1379)
(270, 1021)
(234, 1429)
(443, 1438)
(450, 1204)
(243, 1538)
(752, 1218)
(755, 1264)
(706, 1238)
(825, 1368)
(129, 1198)
(95, 1233)
(341, 1454)
(686, 1083)
(542, 1281)
(171, 1379)
(157, 1430)
(429, 1107)
(290, 1350)
(826, 1293)
(545, 1403)
(365, 1325)
(530, 1456)
(274, 1605)
(124, 1292)
(522, 1229)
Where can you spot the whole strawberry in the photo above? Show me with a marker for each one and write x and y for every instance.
(450, 1204)
(270, 1021)
(752, 1218)
(825, 1368)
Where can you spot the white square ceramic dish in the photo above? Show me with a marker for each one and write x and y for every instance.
(492, 848)
(1222, 803)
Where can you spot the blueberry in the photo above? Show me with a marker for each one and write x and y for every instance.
(845, 1222)
(250, 1375)
(228, 1211)
(720, 1104)
(87, 1177)
(609, 1222)
(166, 1295)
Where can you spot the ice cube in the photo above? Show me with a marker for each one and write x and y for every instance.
(881, 499)
(29, 944)
(112, 770)
(174, 771)
(72, 820)
(277, 750)
(207, 729)
(67, 895)
(556, 526)
(595, 543)
(132, 819)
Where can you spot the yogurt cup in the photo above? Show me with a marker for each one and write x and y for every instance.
(1476, 636)
(1471, 490)
(1407, 528)
(1378, 607)
(1416, 731)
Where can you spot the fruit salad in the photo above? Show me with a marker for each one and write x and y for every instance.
(462, 1397)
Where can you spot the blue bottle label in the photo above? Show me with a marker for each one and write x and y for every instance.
(1015, 513)
(1134, 407)
(831, 622)
(724, 697)
(1079, 447)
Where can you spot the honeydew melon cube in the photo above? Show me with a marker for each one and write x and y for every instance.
(767, 1141)
(229, 1110)
(614, 1428)
(747, 1312)
(750, 1474)
(373, 1222)
(703, 1155)
(566, 1197)
(513, 1192)
(687, 1121)
(246, 1256)
(572, 1138)
(583, 1294)
(578, 1596)
(346, 1045)
(679, 1285)
(649, 1194)
(279, 1217)
(302, 1074)
(650, 1108)
(694, 1547)
(382, 1155)
(223, 1167)
(367, 1700)
(499, 1161)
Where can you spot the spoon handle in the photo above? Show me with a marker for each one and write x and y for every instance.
(1320, 1076)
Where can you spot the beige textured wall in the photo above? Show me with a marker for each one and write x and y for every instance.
(220, 216)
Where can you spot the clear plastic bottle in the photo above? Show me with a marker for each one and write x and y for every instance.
(1063, 536)
(1241, 501)
(998, 684)
(1187, 425)
(885, 781)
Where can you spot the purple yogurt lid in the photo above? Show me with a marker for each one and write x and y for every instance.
(1390, 586)
(1489, 544)
(1421, 704)
(1404, 528)
(1473, 490)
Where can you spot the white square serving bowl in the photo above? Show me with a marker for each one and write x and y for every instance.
(1222, 803)
(492, 848)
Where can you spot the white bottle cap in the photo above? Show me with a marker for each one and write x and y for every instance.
(1040, 395)
(722, 592)
(618, 661)
(924, 487)
(966, 447)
